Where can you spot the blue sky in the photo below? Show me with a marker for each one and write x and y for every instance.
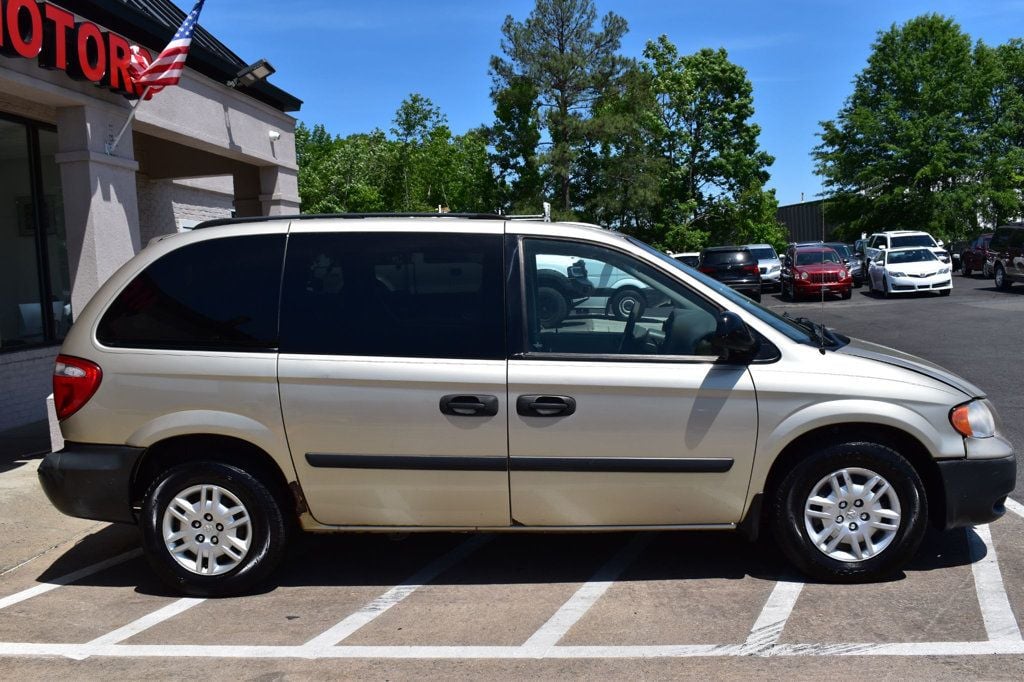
(353, 62)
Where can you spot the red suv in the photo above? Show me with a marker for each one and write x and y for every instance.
(977, 257)
(814, 271)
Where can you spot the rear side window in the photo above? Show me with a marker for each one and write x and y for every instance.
(1000, 239)
(394, 294)
(219, 294)
(1017, 238)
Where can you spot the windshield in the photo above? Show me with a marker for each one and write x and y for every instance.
(784, 325)
(842, 249)
(814, 257)
(763, 252)
(913, 256)
(912, 240)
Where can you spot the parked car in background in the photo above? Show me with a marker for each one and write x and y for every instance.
(603, 287)
(977, 257)
(898, 239)
(814, 270)
(956, 251)
(768, 264)
(1008, 260)
(735, 266)
(562, 285)
(909, 269)
(691, 258)
(854, 265)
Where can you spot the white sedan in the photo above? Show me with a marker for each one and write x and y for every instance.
(897, 271)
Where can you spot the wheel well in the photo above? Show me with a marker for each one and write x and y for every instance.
(900, 441)
(180, 449)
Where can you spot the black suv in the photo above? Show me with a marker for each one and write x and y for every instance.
(733, 265)
(1008, 245)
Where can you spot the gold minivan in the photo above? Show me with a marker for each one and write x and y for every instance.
(365, 373)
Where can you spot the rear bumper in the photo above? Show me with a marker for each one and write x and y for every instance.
(976, 489)
(91, 481)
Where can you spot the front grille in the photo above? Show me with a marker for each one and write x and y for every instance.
(764, 270)
(824, 277)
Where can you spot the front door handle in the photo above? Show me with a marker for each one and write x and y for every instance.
(545, 405)
(459, 405)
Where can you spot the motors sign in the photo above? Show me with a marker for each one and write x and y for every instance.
(83, 50)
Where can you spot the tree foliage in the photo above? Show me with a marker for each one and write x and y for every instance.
(930, 138)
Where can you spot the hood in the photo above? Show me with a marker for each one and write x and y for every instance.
(872, 351)
(821, 267)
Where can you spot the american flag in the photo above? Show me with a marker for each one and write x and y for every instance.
(167, 67)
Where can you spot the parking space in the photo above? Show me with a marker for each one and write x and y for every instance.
(654, 604)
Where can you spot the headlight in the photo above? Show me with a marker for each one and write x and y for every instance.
(943, 271)
(774, 268)
(973, 420)
(893, 273)
(842, 274)
(803, 275)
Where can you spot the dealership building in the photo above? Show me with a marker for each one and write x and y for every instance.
(73, 210)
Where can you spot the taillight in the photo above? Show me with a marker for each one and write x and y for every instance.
(708, 270)
(74, 381)
(750, 269)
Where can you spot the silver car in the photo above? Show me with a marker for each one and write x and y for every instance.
(252, 377)
(769, 264)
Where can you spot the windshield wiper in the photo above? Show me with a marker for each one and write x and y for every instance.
(821, 334)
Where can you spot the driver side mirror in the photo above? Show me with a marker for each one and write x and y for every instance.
(733, 340)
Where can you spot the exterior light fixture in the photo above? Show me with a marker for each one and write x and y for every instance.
(252, 74)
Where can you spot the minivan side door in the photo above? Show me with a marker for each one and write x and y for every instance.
(624, 422)
(392, 376)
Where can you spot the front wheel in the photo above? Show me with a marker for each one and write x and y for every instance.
(212, 529)
(850, 512)
(1001, 281)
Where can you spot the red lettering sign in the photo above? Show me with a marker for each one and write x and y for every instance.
(23, 24)
(31, 29)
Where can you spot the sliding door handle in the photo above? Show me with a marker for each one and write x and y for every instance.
(458, 405)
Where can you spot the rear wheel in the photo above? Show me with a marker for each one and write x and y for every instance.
(850, 512)
(212, 529)
(623, 302)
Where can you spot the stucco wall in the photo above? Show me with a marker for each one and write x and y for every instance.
(164, 203)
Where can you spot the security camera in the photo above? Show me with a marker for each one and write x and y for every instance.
(274, 136)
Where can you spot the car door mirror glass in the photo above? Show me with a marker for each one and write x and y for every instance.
(733, 340)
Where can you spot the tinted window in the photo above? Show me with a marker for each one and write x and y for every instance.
(1000, 239)
(219, 294)
(763, 253)
(723, 257)
(1017, 238)
(394, 294)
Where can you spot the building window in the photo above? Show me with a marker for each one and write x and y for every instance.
(35, 287)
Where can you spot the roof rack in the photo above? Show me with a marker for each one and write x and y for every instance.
(346, 216)
(545, 216)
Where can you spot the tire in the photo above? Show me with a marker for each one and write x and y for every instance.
(783, 292)
(552, 307)
(886, 291)
(888, 543)
(756, 297)
(622, 303)
(846, 295)
(263, 531)
(965, 268)
(945, 292)
(1001, 281)
(871, 286)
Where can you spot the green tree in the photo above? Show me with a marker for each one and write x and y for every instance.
(515, 137)
(930, 137)
(570, 64)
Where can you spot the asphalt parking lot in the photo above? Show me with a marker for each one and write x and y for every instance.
(76, 598)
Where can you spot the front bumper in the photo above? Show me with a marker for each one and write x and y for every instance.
(771, 280)
(976, 489)
(807, 288)
(906, 284)
(91, 481)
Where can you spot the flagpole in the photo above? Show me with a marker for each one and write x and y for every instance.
(111, 146)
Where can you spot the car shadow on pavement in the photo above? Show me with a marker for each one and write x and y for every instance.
(373, 559)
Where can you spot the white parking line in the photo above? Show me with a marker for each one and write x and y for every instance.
(396, 594)
(17, 597)
(1000, 624)
(578, 604)
(509, 652)
(770, 623)
(148, 621)
(1016, 507)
